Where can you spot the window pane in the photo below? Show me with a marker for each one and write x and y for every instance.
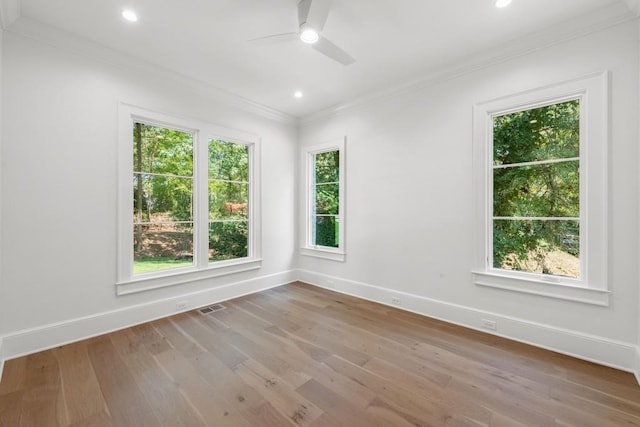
(228, 240)
(326, 231)
(162, 247)
(327, 166)
(327, 199)
(544, 133)
(161, 198)
(163, 151)
(228, 200)
(549, 190)
(228, 161)
(548, 247)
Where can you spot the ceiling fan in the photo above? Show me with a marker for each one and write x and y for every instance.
(312, 15)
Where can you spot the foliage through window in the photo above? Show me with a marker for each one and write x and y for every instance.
(325, 200)
(228, 200)
(162, 198)
(188, 206)
(326, 209)
(163, 180)
(540, 191)
(536, 190)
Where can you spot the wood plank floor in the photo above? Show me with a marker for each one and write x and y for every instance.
(298, 355)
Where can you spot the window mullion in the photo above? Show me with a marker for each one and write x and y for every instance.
(201, 201)
(536, 218)
(341, 197)
(253, 222)
(311, 198)
(584, 192)
(536, 163)
(489, 196)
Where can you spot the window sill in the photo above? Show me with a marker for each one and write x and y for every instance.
(542, 288)
(186, 275)
(324, 253)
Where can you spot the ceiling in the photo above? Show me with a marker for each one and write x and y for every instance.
(393, 41)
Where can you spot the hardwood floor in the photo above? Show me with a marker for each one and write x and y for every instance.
(298, 355)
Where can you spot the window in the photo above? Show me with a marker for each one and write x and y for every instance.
(540, 181)
(536, 190)
(324, 223)
(162, 198)
(193, 201)
(228, 200)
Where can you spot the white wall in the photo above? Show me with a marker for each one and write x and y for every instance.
(409, 201)
(637, 371)
(59, 191)
(3, 299)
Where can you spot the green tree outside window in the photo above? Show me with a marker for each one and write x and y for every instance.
(536, 190)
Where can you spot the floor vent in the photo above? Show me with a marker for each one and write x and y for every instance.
(211, 309)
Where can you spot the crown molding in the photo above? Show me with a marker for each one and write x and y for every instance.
(9, 12)
(48, 35)
(580, 26)
(634, 6)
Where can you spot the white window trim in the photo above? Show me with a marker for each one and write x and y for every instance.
(127, 282)
(592, 91)
(308, 249)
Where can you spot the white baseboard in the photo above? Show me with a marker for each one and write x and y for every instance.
(1, 358)
(29, 341)
(637, 370)
(616, 354)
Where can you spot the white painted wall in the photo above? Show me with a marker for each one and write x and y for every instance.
(409, 199)
(59, 190)
(637, 368)
(3, 299)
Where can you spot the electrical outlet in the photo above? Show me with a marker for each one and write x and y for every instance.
(395, 301)
(489, 324)
(181, 305)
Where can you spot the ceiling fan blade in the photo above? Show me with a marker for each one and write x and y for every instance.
(313, 13)
(329, 49)
(274, 38)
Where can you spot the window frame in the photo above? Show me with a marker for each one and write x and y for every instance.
(202, 132)
(308, 248)
(252, 248)
(591, 287)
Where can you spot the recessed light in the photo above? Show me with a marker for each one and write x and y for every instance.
(502, 3)
(129, 15)
(298, 94)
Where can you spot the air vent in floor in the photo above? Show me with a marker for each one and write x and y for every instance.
(211, 309)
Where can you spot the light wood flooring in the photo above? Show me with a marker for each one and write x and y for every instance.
(298, 355)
